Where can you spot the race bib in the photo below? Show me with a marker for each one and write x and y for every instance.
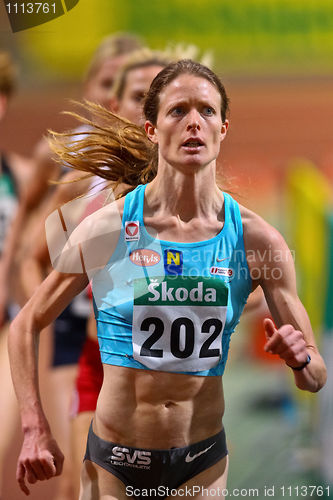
(178, 322)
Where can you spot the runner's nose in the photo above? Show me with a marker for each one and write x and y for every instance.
(193, 120)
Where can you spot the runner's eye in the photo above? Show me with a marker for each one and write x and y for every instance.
(177, 111)
(208, 111)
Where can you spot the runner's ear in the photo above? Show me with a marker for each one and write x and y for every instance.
(224, 129)
(151, 132)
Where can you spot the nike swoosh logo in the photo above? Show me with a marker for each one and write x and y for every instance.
(190, 458)
(221, 260)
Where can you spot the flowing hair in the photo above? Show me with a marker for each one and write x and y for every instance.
(115, 149)
(111, 148)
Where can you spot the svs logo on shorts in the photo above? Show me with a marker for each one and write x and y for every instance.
(139, 459)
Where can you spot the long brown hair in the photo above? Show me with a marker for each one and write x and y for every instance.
(114, 148)
(111, 147)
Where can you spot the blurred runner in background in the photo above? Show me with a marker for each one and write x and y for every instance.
(14, 171)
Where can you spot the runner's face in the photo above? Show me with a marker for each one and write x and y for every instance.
(98, 87)
(136, 87)
(189, 127)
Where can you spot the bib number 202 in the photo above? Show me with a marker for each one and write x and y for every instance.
(182, 337)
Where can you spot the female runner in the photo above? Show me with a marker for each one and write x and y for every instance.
(170, 280)
(14, 172)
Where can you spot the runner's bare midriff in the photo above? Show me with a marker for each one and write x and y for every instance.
(152, 409)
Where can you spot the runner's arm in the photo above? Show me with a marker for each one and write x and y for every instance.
(40, 457)
(292, 338)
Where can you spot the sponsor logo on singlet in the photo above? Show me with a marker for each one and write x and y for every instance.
(173, 262)
(218, 259)
(132, 230)
(145, 257)
(138, 459)
(222, 271)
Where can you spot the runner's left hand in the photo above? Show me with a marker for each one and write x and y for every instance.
(286, 342)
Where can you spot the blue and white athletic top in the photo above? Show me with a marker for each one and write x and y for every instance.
(169, 306)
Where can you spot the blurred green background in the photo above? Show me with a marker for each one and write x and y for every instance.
(249, 37)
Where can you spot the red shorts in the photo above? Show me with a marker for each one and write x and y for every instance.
(90, 378)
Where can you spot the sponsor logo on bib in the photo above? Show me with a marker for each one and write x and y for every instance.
(180, 290)
(145, 257)
(132, 230)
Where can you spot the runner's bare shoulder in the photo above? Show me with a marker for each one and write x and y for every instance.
(258, 233)
(88, 247)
